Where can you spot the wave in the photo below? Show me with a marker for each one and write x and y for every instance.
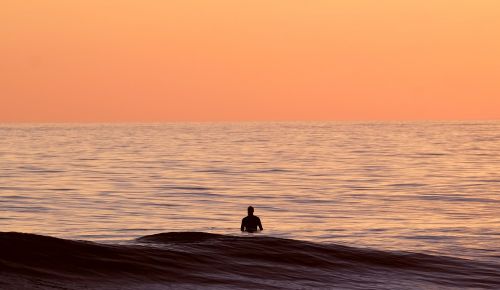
(203, 260)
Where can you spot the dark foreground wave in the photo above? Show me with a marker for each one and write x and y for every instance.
(201, 260)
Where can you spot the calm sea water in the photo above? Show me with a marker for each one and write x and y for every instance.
(426, 187)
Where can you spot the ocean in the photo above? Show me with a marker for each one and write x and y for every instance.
(351, 205)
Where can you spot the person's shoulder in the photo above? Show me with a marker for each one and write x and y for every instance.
(256, 217)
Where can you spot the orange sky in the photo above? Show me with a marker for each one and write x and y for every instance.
(214, 60)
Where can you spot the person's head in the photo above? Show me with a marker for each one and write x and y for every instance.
(250, 210)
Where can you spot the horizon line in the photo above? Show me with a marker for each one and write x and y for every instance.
(251, 121)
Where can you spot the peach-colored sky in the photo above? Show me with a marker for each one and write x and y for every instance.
(211, 60)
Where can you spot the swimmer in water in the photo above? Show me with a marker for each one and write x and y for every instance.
(251, 222)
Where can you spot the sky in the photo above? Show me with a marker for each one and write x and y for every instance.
(248, 60)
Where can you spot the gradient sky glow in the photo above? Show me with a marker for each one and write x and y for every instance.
(215, 60)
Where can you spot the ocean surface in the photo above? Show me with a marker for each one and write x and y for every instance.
(352, 205)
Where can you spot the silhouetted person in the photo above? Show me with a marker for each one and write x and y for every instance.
(251, 222)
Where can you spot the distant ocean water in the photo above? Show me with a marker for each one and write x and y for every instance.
(420, 200)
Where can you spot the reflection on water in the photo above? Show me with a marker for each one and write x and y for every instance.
(425, 187)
